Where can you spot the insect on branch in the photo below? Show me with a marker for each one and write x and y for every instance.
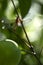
(21, 21)
(30, 46)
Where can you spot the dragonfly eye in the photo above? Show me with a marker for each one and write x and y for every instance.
(18, 21)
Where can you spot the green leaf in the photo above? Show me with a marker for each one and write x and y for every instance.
(9, 53)
(42, 9)
(3, 6)
(24, 6)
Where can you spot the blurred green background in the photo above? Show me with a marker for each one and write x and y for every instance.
(31, 11)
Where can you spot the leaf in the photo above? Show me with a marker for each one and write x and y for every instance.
(42, 9)
(24, 6)
(3, 6)
(10, 53)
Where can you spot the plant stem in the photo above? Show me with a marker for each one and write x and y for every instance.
(14, 7)
(22, 40)
(38, 59)
(31, 47)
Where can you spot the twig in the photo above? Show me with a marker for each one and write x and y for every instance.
(33, 55)
(26, 34)
(22, 40)
(14, 7)
(38, 59)
(31, 47)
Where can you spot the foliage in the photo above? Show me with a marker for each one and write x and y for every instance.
(27, 35)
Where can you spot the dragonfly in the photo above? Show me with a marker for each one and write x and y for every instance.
(34, 10)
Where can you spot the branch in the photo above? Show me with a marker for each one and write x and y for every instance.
(8, 26)
(15, 7)
(31, 47)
